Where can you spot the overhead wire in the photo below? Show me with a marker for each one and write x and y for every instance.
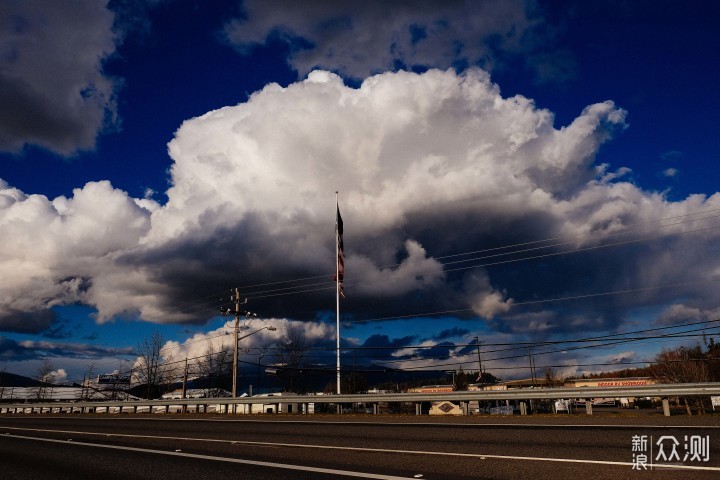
(284, 291)
(630, 229)
(299, 289)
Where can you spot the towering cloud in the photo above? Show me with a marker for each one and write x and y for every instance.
(428, 166)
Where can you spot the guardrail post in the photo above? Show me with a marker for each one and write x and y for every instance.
(523, 408)
(666, 407)
(417, 408)
(588, 406)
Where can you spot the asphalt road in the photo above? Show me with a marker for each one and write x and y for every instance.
(315, 447)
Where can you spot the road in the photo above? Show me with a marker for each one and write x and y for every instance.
(318, 447)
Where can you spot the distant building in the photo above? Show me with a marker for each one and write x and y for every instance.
(609, 382)
(53, 393)
(431, 389)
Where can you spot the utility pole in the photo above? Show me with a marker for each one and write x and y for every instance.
(532, 365)
(259, 387)
(185, 375)
(235, 344)
(477, 343)
(236, 338)
(184, 387)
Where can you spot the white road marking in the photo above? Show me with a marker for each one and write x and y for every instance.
(367, 449)
(285, 466)
(401, 424)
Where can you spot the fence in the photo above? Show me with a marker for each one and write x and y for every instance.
(302, 403)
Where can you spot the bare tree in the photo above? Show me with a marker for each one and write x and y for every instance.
(85, 391)
(46, 377)
(2, 383)
(149, 367)
(293, 347)
(216, 368)
(552, 377)
(682, 365)
(460, 380)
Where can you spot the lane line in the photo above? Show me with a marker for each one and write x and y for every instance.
(412, 424)
(285, 466)
(366, 449)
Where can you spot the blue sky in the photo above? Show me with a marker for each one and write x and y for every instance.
(156, 155)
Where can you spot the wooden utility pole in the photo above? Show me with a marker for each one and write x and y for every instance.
(185, 375)
(480, 375)
(184, 387)
(235, 345)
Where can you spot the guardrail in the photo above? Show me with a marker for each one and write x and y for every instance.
(229, 405)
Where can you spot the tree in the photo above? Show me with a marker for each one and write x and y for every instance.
(682, 365)
(485, 378)
(461, 380)
(149, 364)
(86, 391)
(351, 383)
(552, 377)
(293, 347)
(216, 368)
(2, 382)
(713, 358)
(46, 377)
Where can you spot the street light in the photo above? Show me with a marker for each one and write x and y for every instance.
(235, 356)
(448, 372)
(258, 373)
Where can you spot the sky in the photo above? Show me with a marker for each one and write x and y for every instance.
(516, 171)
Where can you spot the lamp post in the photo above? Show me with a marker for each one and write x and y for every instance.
(258, 373)
(477, 343)
(235, 356)
(451, 372)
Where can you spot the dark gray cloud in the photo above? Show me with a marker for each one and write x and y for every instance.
(14, 351)
(53, 91)
(335, 35)
(451, 332)
(382, 341)
(31, 321)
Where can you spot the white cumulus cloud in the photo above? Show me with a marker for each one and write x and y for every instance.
(427, 165)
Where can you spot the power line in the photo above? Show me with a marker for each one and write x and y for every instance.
(296, 289)
(568, 243)
(532, 302)
(628, 230)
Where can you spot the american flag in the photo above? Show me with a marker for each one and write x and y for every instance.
(340, 253)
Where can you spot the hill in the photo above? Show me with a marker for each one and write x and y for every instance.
(13, 380)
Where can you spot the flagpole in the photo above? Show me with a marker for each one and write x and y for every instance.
(337, 291)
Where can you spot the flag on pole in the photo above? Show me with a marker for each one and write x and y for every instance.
(340, 253)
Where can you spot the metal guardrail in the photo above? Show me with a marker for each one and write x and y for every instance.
(662, 391)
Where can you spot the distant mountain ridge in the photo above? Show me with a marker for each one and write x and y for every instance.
(13, 380)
